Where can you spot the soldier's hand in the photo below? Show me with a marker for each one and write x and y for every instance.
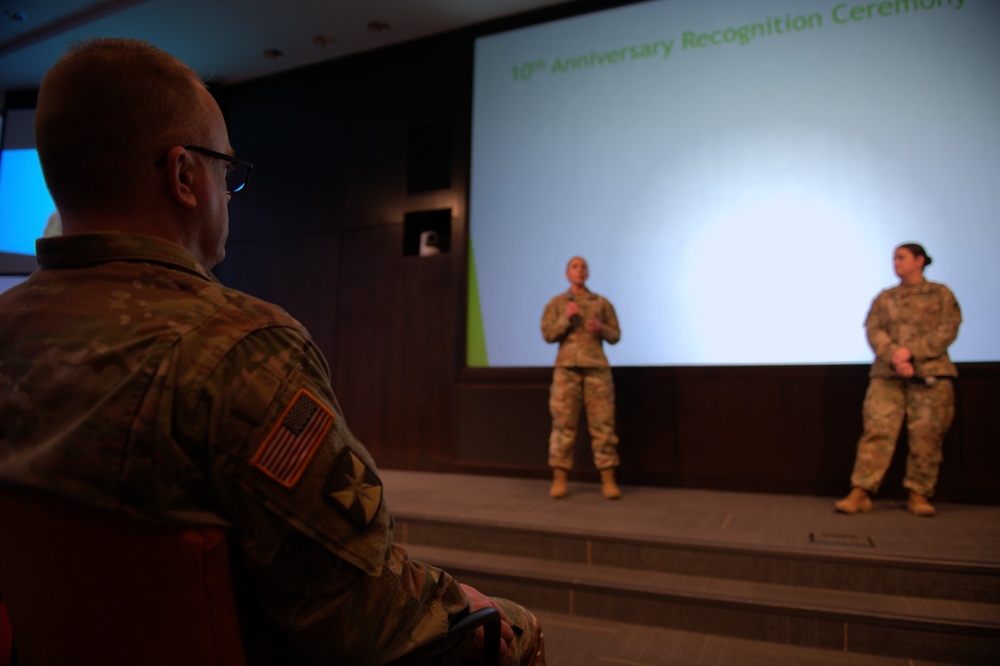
(479, 600)
(572, 309)
(594, 325)
(905, 370)
(901, 356)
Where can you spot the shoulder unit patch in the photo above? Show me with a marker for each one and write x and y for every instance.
(353, 490)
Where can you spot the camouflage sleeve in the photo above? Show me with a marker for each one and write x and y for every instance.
(387, 616)
(940, 336)
(876, 327)
(314, 537)
(609, 329)
(555, 323)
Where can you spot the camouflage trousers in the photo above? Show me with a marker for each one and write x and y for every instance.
(573, 388)
(929, 411)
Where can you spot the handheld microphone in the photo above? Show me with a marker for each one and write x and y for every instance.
(575, 319)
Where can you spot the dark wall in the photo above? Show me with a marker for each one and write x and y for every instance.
(759, 429)
(320, 230)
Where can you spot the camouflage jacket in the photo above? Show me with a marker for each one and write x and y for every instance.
(924, 318)
(578, 347)
(131, 379)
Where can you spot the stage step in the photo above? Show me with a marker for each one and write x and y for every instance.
(833, 596)
(581, 641)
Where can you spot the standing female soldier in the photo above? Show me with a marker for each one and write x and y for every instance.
(580, 321)
(910, 327)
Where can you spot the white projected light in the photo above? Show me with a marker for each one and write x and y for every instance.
(737, 175)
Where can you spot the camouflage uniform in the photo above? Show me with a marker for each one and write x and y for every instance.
(582, 376)
(924, 318)
(130, 379)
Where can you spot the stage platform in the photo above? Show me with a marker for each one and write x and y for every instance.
(682, 576)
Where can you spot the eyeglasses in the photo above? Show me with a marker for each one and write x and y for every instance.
(237, 171)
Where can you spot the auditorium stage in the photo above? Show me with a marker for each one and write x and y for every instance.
(752, 572)
(959, 533)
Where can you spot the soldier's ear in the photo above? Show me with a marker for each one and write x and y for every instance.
(181, 174)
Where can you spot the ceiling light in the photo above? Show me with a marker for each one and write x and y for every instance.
(378, 26)
(274, 54)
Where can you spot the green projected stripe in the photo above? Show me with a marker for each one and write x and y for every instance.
(475, 341)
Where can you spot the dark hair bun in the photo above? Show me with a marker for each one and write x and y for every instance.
(917, 250)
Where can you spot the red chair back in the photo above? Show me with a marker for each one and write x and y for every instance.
(84, 586)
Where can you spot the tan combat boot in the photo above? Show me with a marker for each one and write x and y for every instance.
(609, 488)
(857, 501)
(558, 489)
(919, 506)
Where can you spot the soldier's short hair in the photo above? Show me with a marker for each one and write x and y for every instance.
(108, 108)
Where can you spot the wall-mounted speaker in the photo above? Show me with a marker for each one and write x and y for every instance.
(428, 157)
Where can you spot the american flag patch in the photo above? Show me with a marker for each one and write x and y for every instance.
(287, 451)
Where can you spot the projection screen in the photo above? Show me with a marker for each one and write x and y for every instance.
(737, 175)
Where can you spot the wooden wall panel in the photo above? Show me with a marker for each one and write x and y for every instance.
(763, 429)
(503, 426)
(757, 429)
(394, 361)
(299, 273)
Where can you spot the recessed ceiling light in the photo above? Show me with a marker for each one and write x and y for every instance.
(324, 41)
(378, 26)
(274, 54)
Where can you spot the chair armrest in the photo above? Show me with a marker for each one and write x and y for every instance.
(431, 653)
(489, 619)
